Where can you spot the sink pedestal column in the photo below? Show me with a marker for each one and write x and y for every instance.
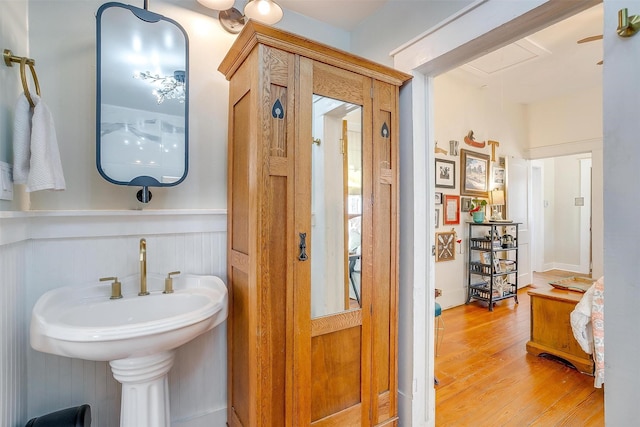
(145, 389)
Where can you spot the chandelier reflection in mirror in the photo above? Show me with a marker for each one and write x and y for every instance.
(167, 87)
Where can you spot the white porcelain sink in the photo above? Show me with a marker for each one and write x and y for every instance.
(82, 322)
(136, 334)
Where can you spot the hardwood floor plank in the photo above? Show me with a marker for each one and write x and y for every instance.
(588, 412)
(486, 377)
(531, 399)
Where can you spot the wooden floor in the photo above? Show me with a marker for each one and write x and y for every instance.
(486, 377)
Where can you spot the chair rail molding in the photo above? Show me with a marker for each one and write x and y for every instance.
(21, 226)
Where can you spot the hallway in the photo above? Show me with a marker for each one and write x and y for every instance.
(488, 379)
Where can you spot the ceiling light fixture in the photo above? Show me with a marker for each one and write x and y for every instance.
(217, 4)
(265, 11)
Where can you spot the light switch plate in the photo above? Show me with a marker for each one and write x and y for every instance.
(6, 181)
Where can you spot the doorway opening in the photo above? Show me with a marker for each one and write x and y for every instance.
(562, 197)
(489, 110)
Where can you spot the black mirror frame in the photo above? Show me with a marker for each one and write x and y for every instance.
(143, 180)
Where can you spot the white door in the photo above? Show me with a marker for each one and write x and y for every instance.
(519, 210)
(621, 206)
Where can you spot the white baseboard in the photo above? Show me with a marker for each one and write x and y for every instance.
(573, 268)
(217, 418)
(452, 297)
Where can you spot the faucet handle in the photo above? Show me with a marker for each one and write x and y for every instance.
(168, 282)
(116, 287)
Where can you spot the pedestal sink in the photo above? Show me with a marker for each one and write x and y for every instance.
(137, 335)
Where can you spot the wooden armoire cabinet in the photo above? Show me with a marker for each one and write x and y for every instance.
(312, 234)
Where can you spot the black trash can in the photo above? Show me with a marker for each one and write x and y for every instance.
(78, 416)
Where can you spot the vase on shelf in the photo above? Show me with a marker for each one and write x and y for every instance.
(478, 217)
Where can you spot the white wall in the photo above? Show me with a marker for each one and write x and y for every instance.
(13, 36)
(460, 107)
(397, 22)
(566, 119)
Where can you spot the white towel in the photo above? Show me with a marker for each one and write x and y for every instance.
(45, 167)
(21, 140)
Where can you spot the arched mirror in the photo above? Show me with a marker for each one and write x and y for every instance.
(142, 98)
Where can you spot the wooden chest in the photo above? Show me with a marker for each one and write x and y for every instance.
(551, 327)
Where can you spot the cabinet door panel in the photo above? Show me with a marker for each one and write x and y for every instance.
(275, 301)
(336, 367)
(339, 84)
(240, 353)
(239, 197)
(339, 341)
(385, 251)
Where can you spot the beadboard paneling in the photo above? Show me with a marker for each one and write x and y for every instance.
(13, 336)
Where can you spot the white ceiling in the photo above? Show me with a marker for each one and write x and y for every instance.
(345, 14)
(545, 64)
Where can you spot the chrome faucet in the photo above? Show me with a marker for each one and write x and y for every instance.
(143, 268)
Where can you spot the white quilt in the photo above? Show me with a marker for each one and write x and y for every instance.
(587, 323)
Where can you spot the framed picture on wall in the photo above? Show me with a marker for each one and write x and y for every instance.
(445, 246)
(474, 175)
(451, 209)
(498, 175)
(465, 204)
(445, 173)
(437, 218)
(438, 198)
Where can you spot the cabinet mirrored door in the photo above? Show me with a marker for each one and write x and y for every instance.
(337, 213)
(336, 206)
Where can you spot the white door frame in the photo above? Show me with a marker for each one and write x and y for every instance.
(481, 27)
(537, 224)
(585, 215)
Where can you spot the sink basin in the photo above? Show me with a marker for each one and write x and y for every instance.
(137, 335)
(82, 322)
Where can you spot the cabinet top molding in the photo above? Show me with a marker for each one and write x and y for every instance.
(255, 33)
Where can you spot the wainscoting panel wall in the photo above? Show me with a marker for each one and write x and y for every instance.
(13, 335)
(62, 249)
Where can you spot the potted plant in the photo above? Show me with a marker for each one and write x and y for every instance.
(477, 210)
